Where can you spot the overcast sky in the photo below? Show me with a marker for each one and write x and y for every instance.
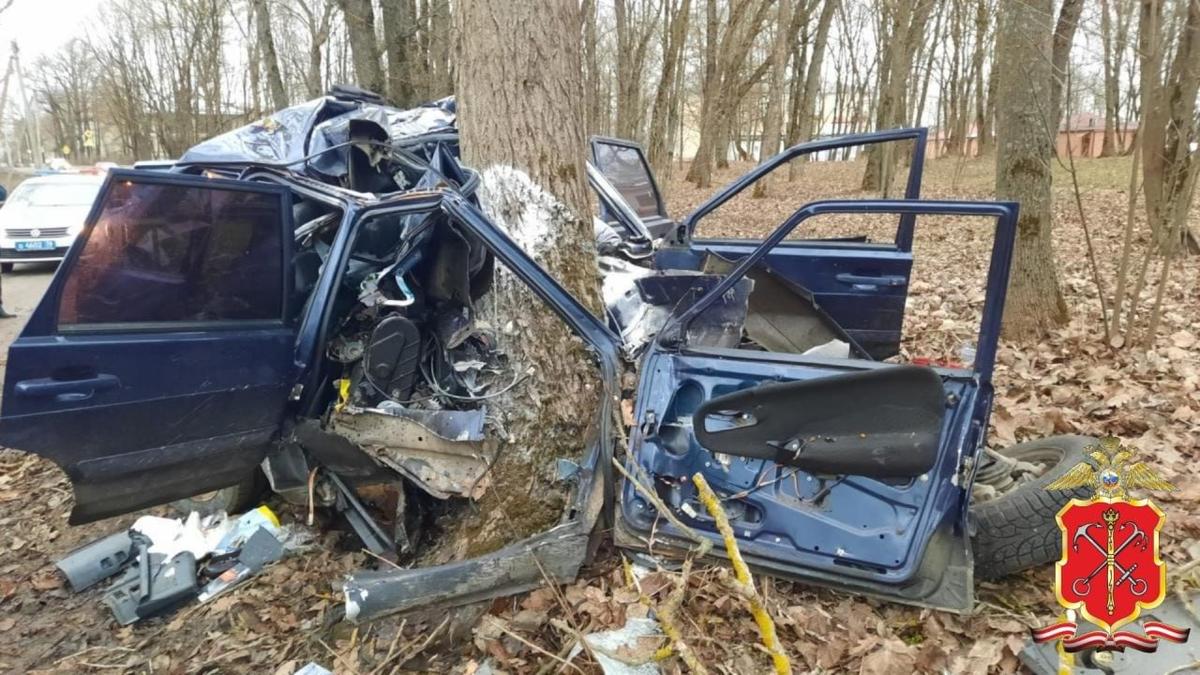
(41, 26)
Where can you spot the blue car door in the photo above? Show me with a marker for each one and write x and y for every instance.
(159, 362)
(842, 471)
(862, 285)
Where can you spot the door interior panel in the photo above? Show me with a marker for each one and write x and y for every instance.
(871, 313)
(876, 529)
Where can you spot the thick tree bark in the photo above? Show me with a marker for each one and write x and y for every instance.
(521, 116)
(364, 48)
(1035, 303)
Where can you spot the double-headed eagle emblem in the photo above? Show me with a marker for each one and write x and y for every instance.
(1111, 477)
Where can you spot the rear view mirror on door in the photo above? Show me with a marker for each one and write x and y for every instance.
(879, 423)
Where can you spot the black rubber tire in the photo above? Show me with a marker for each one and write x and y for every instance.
(6, 267)
(1017, 530)
(232, 500)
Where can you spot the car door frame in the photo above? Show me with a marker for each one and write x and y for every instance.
(228, 456)
(944, 577)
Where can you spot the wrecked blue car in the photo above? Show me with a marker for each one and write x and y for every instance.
(276, 305)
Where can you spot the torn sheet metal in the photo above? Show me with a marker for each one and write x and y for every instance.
(299, 131)
(442, 451)
(640, 301)
(554, 556)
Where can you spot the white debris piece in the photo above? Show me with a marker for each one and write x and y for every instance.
(834, 349)
(171, 536)
(612, 641)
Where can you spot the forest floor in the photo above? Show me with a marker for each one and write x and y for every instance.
(1072, 382)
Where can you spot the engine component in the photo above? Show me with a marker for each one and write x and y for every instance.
(391, 357)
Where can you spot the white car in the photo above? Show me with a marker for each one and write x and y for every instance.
(43, 215)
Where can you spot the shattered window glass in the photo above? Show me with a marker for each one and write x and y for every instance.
(171, 253)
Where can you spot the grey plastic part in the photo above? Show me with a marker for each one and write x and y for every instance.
(92, 563)
(152, 586)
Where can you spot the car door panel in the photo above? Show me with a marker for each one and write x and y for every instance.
(143, 413)
(899, 536)
(856, 526)
(838, 276)
(861, 285)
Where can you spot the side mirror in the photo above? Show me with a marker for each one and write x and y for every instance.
(879, 423)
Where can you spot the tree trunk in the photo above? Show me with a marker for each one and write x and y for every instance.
(1035, 304)
(981, 49)
(1112, 82)
(262, 25)
(399, 25)
(521, 116)
(364, 48)
(773, 120)
(1168, 126)
(675, 26)
(591, 75)
(908, 21)
(1060, 56)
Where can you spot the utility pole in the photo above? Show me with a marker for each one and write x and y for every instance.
(3, 103)
(30, 118)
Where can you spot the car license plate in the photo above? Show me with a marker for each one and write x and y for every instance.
(45, 245)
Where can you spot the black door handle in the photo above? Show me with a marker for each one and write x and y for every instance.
(68, 389)
(869, 280)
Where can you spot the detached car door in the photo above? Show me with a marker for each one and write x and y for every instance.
(158, 364)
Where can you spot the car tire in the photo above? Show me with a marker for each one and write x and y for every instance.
(6, 267)
(1018, 530)
(232, 500)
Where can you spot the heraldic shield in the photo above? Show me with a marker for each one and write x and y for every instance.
(1110, 570)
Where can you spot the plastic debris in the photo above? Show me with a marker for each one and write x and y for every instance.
(195, 534)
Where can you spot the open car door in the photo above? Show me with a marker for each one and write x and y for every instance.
(158, 364)
(861, 285)
(846, 472)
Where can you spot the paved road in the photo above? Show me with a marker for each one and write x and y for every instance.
(22, 290)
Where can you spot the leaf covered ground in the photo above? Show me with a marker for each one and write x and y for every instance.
(1072, 382)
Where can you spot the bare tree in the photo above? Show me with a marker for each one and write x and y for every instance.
(1025, 144)
(360, 30)
(773, 121)
(270, 60)
(1169, 122)
(1060, 55)
(902, 24)
(522, 101)
(666, 99)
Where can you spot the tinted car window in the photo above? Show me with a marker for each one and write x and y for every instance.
(624, 168)
(170, 253)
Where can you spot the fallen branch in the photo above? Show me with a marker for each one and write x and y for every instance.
(647, 492)
(745, 582)
(666, 618)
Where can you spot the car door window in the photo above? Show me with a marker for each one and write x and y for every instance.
(626, 169)
(161, 254)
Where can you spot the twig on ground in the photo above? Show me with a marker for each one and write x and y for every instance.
(512, 634)
(666, 618)
(648, 493)
(766, 625)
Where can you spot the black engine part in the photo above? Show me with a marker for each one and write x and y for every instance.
(392, 355)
